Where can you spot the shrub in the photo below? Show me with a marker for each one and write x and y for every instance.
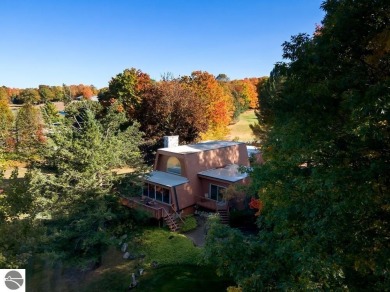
(167, 248)
(189, 224)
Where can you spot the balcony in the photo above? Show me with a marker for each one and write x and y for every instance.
(153, 208)
(212, 204)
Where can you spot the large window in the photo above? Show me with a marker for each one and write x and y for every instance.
(157, 193)
(173, 165)
(216, 192)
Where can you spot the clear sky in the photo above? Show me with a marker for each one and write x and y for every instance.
(78, 41)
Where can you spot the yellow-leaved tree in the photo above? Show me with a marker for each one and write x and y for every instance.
(218, 101)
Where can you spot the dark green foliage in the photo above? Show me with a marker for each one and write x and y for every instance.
(126, 88)
(239, 107)
(188, 278)
(20, 233)
(325, 183)
(50, 114)
(78, 194)
(227, 249)
(243, 218)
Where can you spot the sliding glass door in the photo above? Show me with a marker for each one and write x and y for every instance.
(157, 193)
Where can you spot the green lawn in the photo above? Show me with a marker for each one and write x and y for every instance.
(169, 278)
(241, 131)
(178, 268)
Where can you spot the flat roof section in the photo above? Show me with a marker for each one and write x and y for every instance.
(165, 179)
(252, 150)
(230, 173)
(199, 147)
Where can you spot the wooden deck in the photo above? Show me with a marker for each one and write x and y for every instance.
(154, 208)
(212, 204)
(159, 210)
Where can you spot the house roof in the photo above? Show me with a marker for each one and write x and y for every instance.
(199, 147)
(230, 173)
(252, 150)
(166, 179)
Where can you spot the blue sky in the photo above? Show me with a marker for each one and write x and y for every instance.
(89, 42)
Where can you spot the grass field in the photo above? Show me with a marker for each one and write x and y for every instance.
(241, 131)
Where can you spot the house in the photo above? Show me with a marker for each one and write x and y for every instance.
(192, 175)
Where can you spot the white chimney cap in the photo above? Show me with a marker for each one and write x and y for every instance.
(171, 141)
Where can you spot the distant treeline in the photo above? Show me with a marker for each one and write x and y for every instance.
(195, 107)
(45, 93)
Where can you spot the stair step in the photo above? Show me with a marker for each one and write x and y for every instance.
(223, 216)
(171, 222)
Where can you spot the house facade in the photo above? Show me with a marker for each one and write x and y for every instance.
(192, 175)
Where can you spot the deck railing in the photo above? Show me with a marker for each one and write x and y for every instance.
(212, 204)
(156, 211)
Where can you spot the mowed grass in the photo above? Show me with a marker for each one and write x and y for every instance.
(241, 131)
(170, 261)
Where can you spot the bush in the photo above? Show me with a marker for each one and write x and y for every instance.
(242, 218)
(167, 248)
(189, 224)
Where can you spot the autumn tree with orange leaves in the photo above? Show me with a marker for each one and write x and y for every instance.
(217, 99)
(246, 89)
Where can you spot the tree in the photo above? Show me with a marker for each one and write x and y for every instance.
(29, 95)
(169, 108)
(245, 92)
(87, 92)
(227, 249)
(78, 194)
(4, 94)
(28, 130)
(46, 93)
(17, 212)
(325, 183)
(126, 87)
(50, 113)
(59, 94)
(6, 123)
(218, 99)
(222, 78)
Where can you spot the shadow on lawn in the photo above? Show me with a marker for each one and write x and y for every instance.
(164, 279)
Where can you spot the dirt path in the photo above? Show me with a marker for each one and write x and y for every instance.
(21, 172)
(198, 235)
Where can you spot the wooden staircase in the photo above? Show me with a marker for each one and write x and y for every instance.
(223, 215)
(171, 222)
(223, 212)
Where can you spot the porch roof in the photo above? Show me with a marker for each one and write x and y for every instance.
(230, 173)
(165, 179)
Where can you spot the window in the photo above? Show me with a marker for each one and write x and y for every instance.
(157, 193)
(173, 165)
(216, 192)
